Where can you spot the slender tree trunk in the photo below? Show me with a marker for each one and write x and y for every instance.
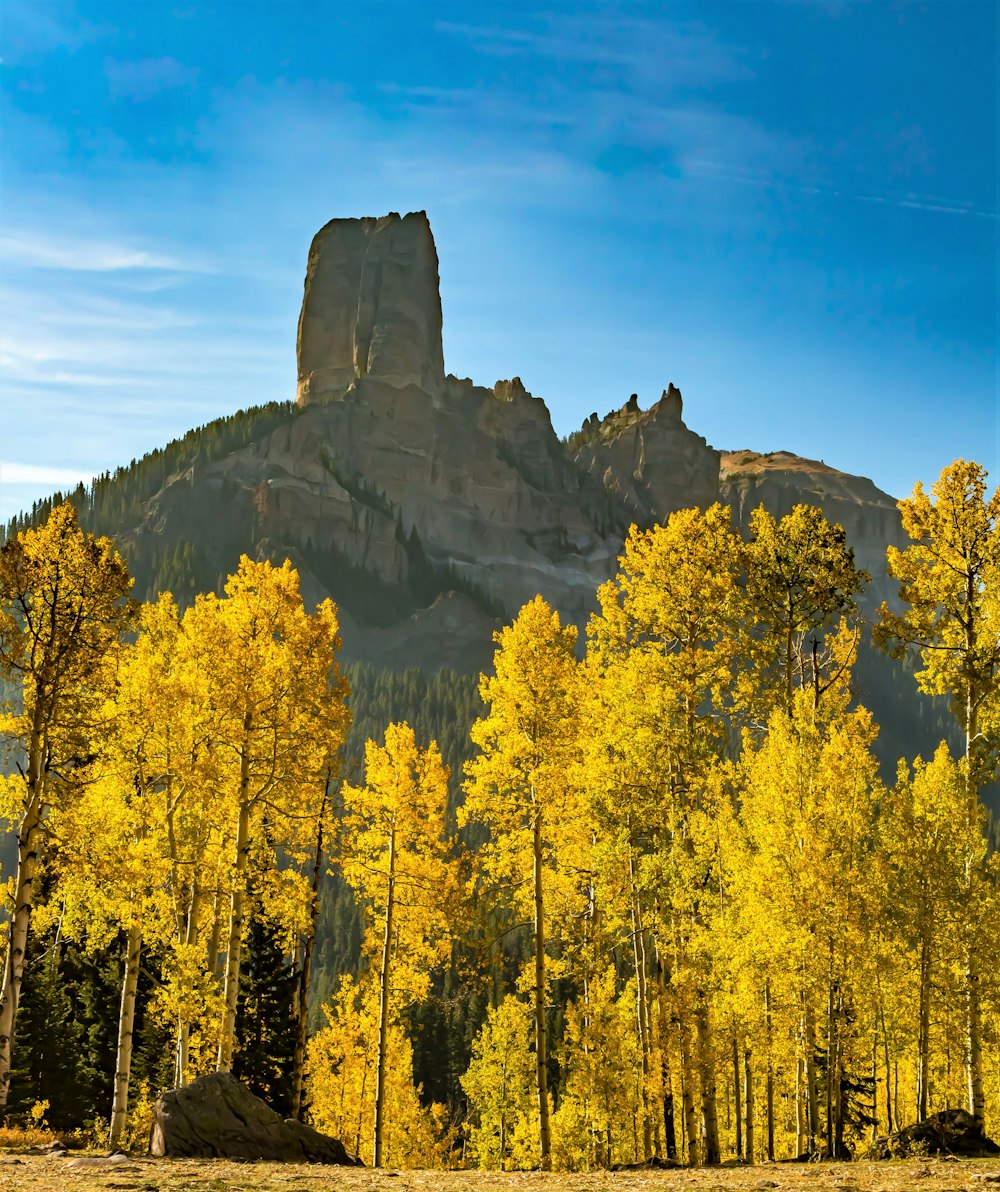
(769, 1079)
(227, 1040)
(812, 1098)
(687, 1096)
(706, 1074)
(800, 1101)
(29, 840)
(748, 1102)
(126, 1021)
(663, 1018)
(641, 1005)
(889, 1098)
(305, 976)
(974, 1026)
(977, 1095)
(924, 1028)
(831, 1072)
(541, 1057)
(190, 937)
(383, 1005)
(737, 1097)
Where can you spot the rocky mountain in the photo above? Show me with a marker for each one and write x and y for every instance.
(428, 506)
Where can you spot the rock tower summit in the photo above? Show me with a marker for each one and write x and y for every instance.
(372, 308)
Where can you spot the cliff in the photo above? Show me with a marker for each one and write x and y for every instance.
(430, 508)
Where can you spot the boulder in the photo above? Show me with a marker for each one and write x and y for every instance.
(950, 1132)
(216, 1117)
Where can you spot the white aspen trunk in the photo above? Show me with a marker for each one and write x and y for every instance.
(189, 934)
(305, 977)
(924, 1029)
(769, 1078)
(383, 1004)
(974, 1025)
(126, 1021)
(24, 900)
(977, 1095)
(748, 1103)
(812, 1098)
(639, 957)
(800, 1105)
(737, 1098)
(687, 1097)
(541, 1068)
(227, 1040)
(663, 1019)
(706, 1074)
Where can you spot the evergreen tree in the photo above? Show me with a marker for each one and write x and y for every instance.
(266, 1017)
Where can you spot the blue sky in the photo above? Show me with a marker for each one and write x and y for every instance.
(790, 209)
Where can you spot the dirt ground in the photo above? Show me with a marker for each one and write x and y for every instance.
(85, 1173)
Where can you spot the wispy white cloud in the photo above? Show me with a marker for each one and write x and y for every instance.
(726, 171)
(36, 251)
(42, 475)
(677, 55)
(140, 79)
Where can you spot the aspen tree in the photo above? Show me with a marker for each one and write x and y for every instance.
(277, 701)
(500, 1085)
(395, 855)
(809, 795)
(63, 609)
(801, 580)
(934, 852)
(950, 588)
(519, 786)
(342, 1061)
(664, 645)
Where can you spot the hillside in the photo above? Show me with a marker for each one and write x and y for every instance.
(430, 508)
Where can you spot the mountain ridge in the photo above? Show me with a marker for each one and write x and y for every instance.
(429, 507)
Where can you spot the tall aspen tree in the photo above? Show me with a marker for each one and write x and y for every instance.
(394, 853)
(277, 707)
(64, 607)
(520, 787)
(949, 581)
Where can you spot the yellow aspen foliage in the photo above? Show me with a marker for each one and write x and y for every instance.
(599, 1119)
(934, 855)
(950, 587)
(661, 654)
(342, 1061)
(809, 798)
(500, 1086)
(278, 715)
(520, 787)
(64, 608)
(395, 855)
(801, 581)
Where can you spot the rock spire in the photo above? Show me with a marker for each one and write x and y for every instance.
(372, 308)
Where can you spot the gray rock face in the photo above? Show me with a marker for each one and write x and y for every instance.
(780, 480)
(390, 477)
(371, 308)
(650, 460)
(216, 1117)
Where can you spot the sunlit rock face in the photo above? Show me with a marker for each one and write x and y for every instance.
(649, 459)
(390, 477)
(372, 307)
(780, 480)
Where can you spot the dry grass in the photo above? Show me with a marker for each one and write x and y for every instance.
(76, 1173)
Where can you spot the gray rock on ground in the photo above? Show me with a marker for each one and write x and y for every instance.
(216, 1117)
(950, 1132)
